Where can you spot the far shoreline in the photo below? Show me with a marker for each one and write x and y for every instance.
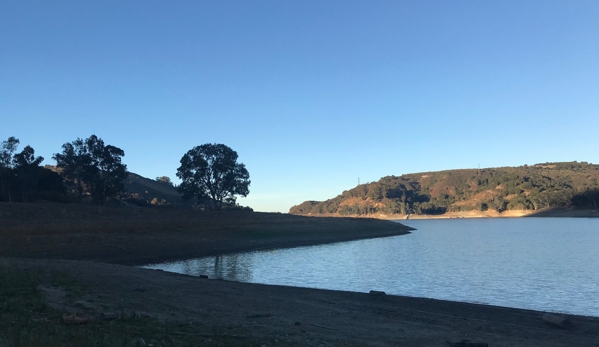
(548, 212)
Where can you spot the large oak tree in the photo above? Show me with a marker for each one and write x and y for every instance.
(211, 174)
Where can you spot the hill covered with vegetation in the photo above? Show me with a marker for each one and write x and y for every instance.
(525, 187)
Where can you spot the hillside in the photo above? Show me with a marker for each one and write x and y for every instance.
(141, 190)
(540, 186)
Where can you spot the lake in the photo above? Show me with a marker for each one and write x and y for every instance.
(546, 264)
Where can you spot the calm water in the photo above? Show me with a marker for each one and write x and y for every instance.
(547, 264)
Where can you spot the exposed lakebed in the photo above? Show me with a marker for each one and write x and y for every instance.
(547, 264)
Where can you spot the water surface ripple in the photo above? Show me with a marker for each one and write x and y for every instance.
(547, 264)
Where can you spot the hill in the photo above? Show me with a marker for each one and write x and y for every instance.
(143, 191)
(540, 186)
(139, 190)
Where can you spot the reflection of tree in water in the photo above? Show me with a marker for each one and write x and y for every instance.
(233, 267)
(195, 267)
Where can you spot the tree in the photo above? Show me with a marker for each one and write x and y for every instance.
(110, 171)
(19, 172)
(210, 173)
(27, 170)
(164, 179)
(50, 185)
(7, 150)
(93, 167)
(75, 162)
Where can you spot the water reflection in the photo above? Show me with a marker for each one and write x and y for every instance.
(232, 267)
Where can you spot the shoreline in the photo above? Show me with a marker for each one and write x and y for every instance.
(267, 246)
(101, 243)
(283, 315)
(544, 213)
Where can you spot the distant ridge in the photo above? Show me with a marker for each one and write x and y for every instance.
(536, 187)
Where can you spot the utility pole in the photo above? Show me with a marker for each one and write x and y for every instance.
(358, 180)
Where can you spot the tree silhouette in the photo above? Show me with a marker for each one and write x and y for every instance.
(95, 168)
(27, 171)
(7, 150)
(211, 174)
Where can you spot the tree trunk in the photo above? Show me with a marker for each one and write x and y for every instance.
(9, 190)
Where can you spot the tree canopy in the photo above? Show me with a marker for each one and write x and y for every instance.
(211, 174)
(94, 168)
(7, 150)
(21, 177)
(164, 179)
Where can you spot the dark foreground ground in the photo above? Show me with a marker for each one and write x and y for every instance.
(287, 316)
(215, 312)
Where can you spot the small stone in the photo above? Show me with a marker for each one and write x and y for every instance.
(377, 293)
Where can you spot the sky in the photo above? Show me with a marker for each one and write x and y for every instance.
(313, 95)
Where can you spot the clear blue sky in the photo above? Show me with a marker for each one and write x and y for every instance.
(311, 94)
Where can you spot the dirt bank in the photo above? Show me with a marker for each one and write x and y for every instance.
(141, 236)
(305, 317)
